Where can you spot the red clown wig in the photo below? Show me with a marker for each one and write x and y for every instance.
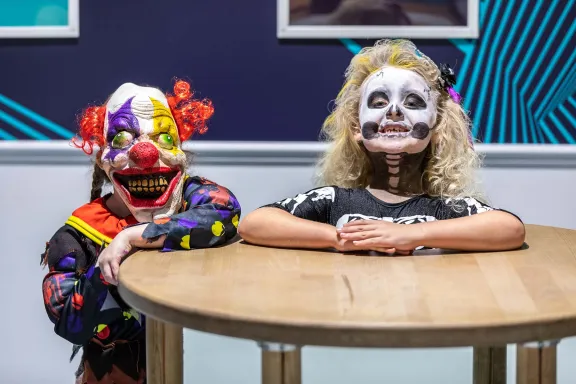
(190, 114)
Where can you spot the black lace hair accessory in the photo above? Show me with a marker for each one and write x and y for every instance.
(447, 81)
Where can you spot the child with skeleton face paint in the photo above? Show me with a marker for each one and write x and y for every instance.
(155, 204)
(399, 153)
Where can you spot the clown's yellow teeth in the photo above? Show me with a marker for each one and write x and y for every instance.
(148, 182)
(146, 186)
(147, 189)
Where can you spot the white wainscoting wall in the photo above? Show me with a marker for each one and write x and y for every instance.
(41, 183)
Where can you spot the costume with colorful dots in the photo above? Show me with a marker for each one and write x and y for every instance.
(87, 311)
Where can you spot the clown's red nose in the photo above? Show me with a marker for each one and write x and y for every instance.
(145, 155)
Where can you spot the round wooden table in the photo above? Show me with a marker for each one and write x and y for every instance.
(285, 299)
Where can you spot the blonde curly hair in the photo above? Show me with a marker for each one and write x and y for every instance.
(451, 166)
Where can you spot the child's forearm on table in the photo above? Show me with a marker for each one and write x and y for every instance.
(134, 236)
(276, 228)
(489, 231)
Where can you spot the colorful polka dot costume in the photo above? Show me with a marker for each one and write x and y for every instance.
(87, 311)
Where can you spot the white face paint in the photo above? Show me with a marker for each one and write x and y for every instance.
(397, 111)
(142, 155)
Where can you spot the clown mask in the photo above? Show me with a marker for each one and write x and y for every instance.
(397, 112)
(142, 153)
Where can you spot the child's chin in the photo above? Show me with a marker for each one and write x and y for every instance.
(386, 145)
(395, 145)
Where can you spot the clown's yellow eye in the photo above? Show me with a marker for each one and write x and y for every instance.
(122, 139)
(166, 141)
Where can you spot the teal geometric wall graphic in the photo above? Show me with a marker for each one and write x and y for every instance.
(34, 130)
(352, 46)
(518, 79)
(6, 136)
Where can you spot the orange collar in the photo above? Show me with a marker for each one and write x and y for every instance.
(97, 222)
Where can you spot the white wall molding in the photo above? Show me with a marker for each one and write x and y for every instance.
(43, 182)
(281, 153)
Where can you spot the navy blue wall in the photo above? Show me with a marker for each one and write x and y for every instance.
(266, 89)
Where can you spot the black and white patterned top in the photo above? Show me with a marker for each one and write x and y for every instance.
(338, 206)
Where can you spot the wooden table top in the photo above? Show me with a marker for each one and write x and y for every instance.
(432, 299)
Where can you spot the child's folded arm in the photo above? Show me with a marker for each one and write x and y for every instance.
(275, 227)
(210, 217)
(299, 221)
(470, 225)
(495, 230)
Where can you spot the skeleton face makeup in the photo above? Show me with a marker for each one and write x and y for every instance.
(397, 111)
(142, 154)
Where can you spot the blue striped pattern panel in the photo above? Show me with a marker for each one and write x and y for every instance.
(518, 79)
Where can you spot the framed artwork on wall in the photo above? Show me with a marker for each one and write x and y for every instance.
(39, 19)
(374, 19)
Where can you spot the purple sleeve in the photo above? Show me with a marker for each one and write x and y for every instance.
(73, 304)
(210, 217)
(74, 289)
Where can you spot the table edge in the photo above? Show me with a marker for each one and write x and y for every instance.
(343, 335)
(442, 335)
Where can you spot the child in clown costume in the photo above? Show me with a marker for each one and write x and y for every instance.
(154, 204)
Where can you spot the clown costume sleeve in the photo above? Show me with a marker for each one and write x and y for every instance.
(209, 217)
(78, 301)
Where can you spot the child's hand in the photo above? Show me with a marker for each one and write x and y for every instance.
(110, 258)
(344, 245)
(381, 236)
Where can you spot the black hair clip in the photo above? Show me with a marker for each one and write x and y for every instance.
(447, 81)
(447, 76)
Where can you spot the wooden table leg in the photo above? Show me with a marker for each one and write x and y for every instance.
(164, 353)
(490, 365)
(281, 364)
(536, 363)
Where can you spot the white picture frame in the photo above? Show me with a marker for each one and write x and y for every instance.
(287, 31)
(72, 30)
